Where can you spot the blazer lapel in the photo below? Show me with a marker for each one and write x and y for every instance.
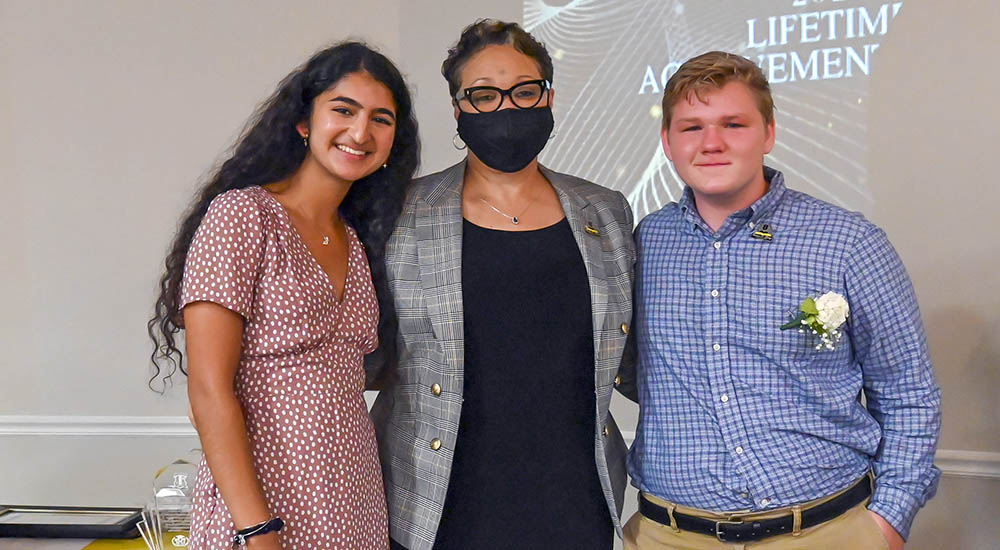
(582, 218)
(439, 253)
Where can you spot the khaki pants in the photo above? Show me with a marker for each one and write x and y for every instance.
(855, 529)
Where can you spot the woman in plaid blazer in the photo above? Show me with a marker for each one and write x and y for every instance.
(512, 287)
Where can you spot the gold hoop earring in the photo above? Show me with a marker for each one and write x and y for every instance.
(455, 140)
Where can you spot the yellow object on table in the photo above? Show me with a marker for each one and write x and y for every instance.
(169, 540)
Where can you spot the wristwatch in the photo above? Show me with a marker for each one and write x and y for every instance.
(273, 524)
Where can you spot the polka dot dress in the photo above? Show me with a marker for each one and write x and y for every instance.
(300, 379)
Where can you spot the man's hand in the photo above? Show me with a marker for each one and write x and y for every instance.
(890, 534)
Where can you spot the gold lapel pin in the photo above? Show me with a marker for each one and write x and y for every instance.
(591, 230)
(764, 232)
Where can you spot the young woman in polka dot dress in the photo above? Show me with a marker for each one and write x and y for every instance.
(269, 277)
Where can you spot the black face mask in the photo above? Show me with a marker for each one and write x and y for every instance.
(507, 139)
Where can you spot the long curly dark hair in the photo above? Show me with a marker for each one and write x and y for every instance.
(269, 150)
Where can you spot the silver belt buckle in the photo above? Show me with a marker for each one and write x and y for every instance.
(719, 524)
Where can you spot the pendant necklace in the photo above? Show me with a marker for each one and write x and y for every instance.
(513, 219)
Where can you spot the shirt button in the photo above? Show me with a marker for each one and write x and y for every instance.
(717, 244)
(744, 495)
(750, 225)
(765, 501)
(715, 293)
(436, 389)
(716, 347)
(739, 451)
(724, 398)
(435, 444)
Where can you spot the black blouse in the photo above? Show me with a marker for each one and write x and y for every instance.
(524, 473)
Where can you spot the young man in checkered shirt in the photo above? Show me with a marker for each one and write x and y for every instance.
(750, 434)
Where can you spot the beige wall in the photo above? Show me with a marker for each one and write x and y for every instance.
(935, 128)
(111, 111)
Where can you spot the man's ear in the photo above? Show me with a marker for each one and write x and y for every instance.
(769, 137)
(664, 139)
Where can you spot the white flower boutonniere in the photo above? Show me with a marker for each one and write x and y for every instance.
(823, 317)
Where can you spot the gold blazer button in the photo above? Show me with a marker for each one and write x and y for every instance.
(607, 432)
(618, 380)
(435, 444)
(436, 389)
(624, 328)
(591, 230)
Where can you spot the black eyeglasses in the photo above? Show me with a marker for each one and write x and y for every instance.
(524, 95)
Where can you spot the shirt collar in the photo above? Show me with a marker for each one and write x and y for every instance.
(760, 209)
(689, 212)
(763, 207)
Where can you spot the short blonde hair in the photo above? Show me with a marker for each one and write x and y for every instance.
(711, 71)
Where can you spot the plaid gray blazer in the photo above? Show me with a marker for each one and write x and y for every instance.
(416, 418)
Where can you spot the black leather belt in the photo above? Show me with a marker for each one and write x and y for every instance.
(739, 530)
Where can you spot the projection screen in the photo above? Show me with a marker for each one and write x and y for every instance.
(612, 58)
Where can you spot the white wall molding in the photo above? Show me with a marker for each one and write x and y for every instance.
(70, 425)
(959, 463)
(953, 462)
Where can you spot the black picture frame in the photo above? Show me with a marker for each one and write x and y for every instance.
(78, 522)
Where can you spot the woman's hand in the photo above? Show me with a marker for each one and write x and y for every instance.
(891, 536)
(267, 541)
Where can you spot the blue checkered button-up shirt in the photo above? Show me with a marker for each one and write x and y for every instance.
(739, 415)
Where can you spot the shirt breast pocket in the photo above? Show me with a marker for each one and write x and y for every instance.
(796, 351)
(767, 309)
